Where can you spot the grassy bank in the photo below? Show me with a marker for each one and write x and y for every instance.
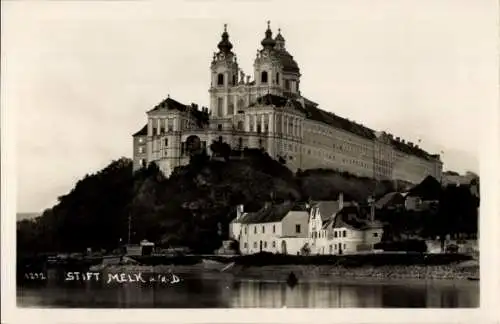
(326, 272)
(368, 272)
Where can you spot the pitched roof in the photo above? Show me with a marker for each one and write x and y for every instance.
(269, 214)
(280, 101)
(326, 208)
(354, 217)
(201, 117)
(428, 189)
(169, 104)
(142, 132)
(388, 199)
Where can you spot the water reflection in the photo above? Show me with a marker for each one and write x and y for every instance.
(202, 292)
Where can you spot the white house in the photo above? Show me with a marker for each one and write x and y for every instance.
(320, 213)
(351, 230)
(275, 228)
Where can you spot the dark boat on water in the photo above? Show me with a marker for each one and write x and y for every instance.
(292, 280)
(473, 278)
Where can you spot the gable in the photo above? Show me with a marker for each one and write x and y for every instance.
(326, 209)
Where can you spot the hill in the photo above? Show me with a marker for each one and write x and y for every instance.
(324, 184)
(193, 207)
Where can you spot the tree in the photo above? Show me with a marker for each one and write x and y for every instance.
(221, 149)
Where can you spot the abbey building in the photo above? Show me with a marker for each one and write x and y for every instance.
(268, 111)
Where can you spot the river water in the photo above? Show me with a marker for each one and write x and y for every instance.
(196, 292)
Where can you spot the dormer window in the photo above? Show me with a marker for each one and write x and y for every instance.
(220, 79)
(263, 77)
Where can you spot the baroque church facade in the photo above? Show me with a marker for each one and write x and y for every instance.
(269, 112)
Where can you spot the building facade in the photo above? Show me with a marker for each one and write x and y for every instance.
(275, 229)
(268, 111)
(323, 227)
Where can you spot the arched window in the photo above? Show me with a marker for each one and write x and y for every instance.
(263, 77)
(240, 125)
(220, 79)
(277, 78)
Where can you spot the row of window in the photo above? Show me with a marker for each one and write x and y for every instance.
(220, 79)
(264, 78)
(255, 229)
(322, 234)
(288, 125)
(264, 244)
(161, 124)
(328, 155)
(336, 247)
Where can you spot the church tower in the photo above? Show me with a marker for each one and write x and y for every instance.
(290, 72)
(224, 76)
(267, 70)
(275, 70)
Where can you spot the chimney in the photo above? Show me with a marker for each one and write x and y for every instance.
(341, 200)
(402, 141)
(398, 139)
(239, 211)
(410, 144)
(391, 136)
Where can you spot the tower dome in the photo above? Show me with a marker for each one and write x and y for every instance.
(268, 42)
(286, 59)
(279, 37)
(225, 45)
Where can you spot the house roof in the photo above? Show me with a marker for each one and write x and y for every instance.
(269, 214)
(326, 208)
(353, 217)
(428, 189)
(201, 117)
(169, 104)
(142, 132)
(389, 199)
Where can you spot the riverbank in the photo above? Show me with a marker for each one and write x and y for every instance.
(448, 272)
(315, 273)
(277, 267)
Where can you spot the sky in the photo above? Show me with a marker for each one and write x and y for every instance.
(80, 76)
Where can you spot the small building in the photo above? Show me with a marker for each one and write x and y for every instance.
(144, 248)
(280, 228)
(353, 230)
(321, 212)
